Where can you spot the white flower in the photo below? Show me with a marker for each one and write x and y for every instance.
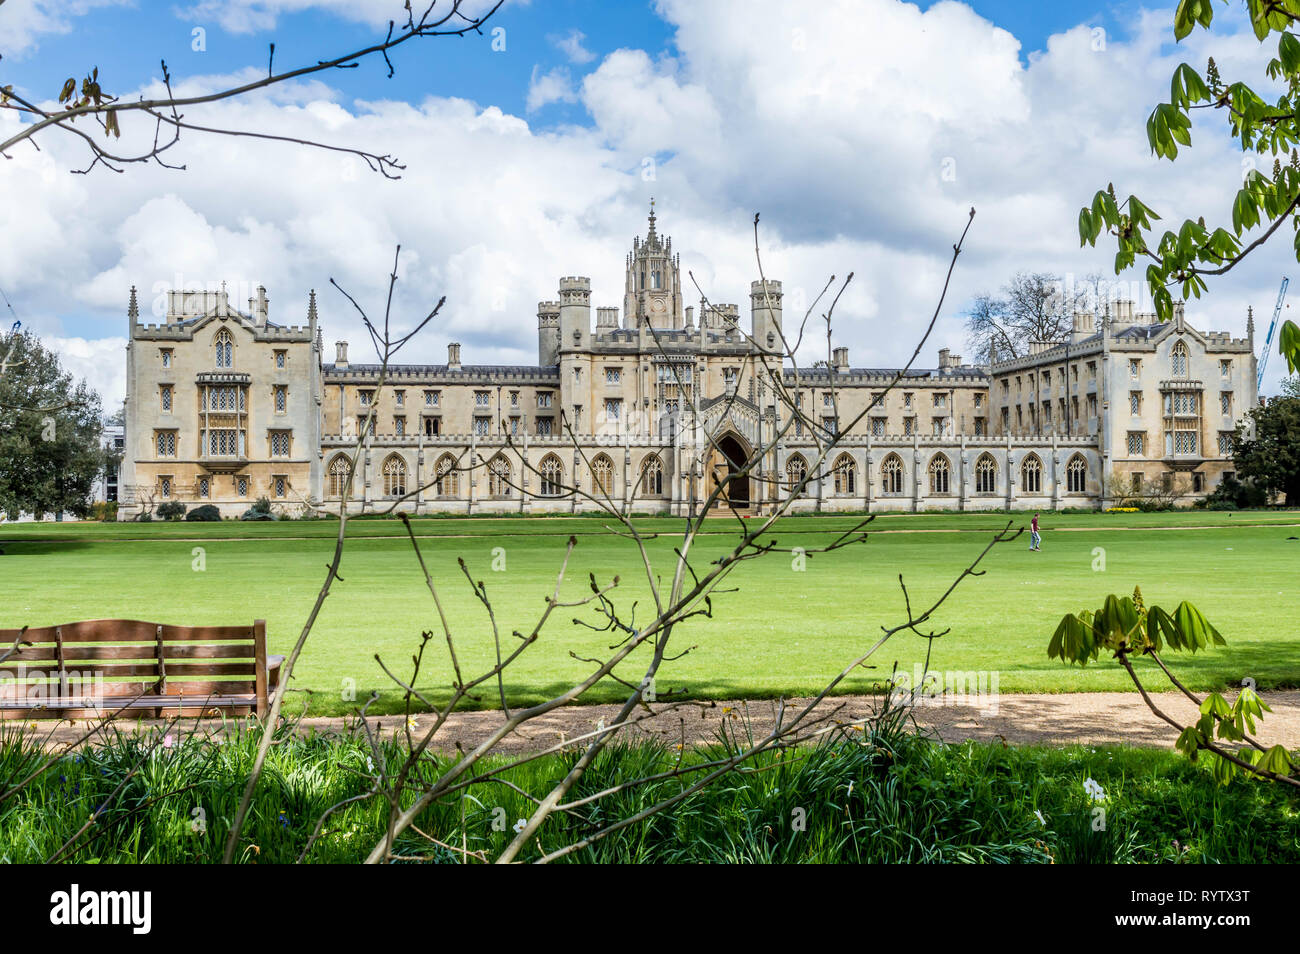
(411, 724)
(1095, 792)
(1041, 820)
(521, 825)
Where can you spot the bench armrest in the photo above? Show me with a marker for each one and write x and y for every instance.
(273, 670)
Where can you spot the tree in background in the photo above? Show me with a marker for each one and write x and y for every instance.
(1267, 452)
(50, 452)
(1033, 306)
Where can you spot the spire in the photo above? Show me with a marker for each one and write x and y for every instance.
(133, 308)
(651, 235)
(1250, 327)
(311, 307)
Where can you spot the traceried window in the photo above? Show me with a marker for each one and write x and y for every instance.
(446, 481)
(482, 398)
(281, 400)
(939, 472)
(543, 398)
(986, 475)
(165, 397)
(166, 443)
(1076, 475)
(845, 475)
(1135, 402)
(552, 474)
(164, 485)
(1178, 360)
(1031, 474)
(613, 375)
(891, 474)
(499, 477)
(241, 486)
(280, 486)
(1225, 443)
(205, 487)
(544, 426)
(279, 359)
(431, 398)
(399, 426)
(399, 398)
(602, 475)
(223, 442)
(796, 468)
(225, 349)
(1137, 443)
(878, 426)
(652, 476)
(394, 471)
(432, 426)
(909, 426)
(1225, 403)
(482, 425)
(613, 409)
(1184, 442)
(279, 443)
(1225, 367)
(338, 475)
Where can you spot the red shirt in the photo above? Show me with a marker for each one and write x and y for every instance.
(1034, 524)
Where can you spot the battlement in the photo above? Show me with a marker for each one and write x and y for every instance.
(575, 282)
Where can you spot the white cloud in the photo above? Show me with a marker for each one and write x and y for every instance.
(839, 135)
(22, 21)
(251, 16)
(570, 44)
(554, 86)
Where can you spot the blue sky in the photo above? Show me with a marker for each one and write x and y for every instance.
(529, 162)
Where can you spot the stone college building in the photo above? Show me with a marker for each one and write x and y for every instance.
(224, 407)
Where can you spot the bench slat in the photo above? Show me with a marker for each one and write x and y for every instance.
(175, 651)
(124, 630)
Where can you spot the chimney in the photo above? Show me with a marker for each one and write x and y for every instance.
(259, 306)
(944, 360)
(1084, 325)
(1123, 314)
(840, 359)
(690, 316)
(340, 354)
(453, 356)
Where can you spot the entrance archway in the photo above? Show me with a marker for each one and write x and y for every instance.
(728, 459)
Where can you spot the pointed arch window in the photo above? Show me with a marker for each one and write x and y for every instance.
(225, 349)
(1178, 360)
(652, 476)
(939, 474)
(1031, 475)
(602, 476)
(552, 474)
(986, 474)
(1076, 475)
(338, 475)
(891, 474)
(394, 477)
(846, 475)
(446, 478)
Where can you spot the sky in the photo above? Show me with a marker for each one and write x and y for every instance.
(862, 130)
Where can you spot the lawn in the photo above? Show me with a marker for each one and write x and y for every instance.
(777, 630)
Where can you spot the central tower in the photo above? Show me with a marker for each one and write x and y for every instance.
(652, 294)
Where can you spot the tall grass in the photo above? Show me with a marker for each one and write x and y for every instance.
(885, 795)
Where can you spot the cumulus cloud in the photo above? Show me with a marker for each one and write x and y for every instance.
(570, 44)
(863, 136)
(23, 21)
(554, 86)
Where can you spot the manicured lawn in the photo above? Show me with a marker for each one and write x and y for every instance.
(777, 630)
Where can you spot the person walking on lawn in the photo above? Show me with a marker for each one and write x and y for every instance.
(1035, 541)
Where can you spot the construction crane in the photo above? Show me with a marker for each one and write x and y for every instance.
(1268, 341)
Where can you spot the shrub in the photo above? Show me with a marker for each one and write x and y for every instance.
(205, 513)
(105, 511)
(144, 517)
(261, 510)
(171, 510)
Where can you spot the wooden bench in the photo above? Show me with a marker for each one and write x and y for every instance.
(102, 667)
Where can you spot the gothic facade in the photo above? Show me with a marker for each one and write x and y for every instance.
(653, 404)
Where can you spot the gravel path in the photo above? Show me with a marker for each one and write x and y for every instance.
(1088, 718)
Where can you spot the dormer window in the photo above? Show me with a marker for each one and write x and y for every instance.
(225, 347)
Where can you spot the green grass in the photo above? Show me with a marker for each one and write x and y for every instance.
(886, 796)
(774, 631)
